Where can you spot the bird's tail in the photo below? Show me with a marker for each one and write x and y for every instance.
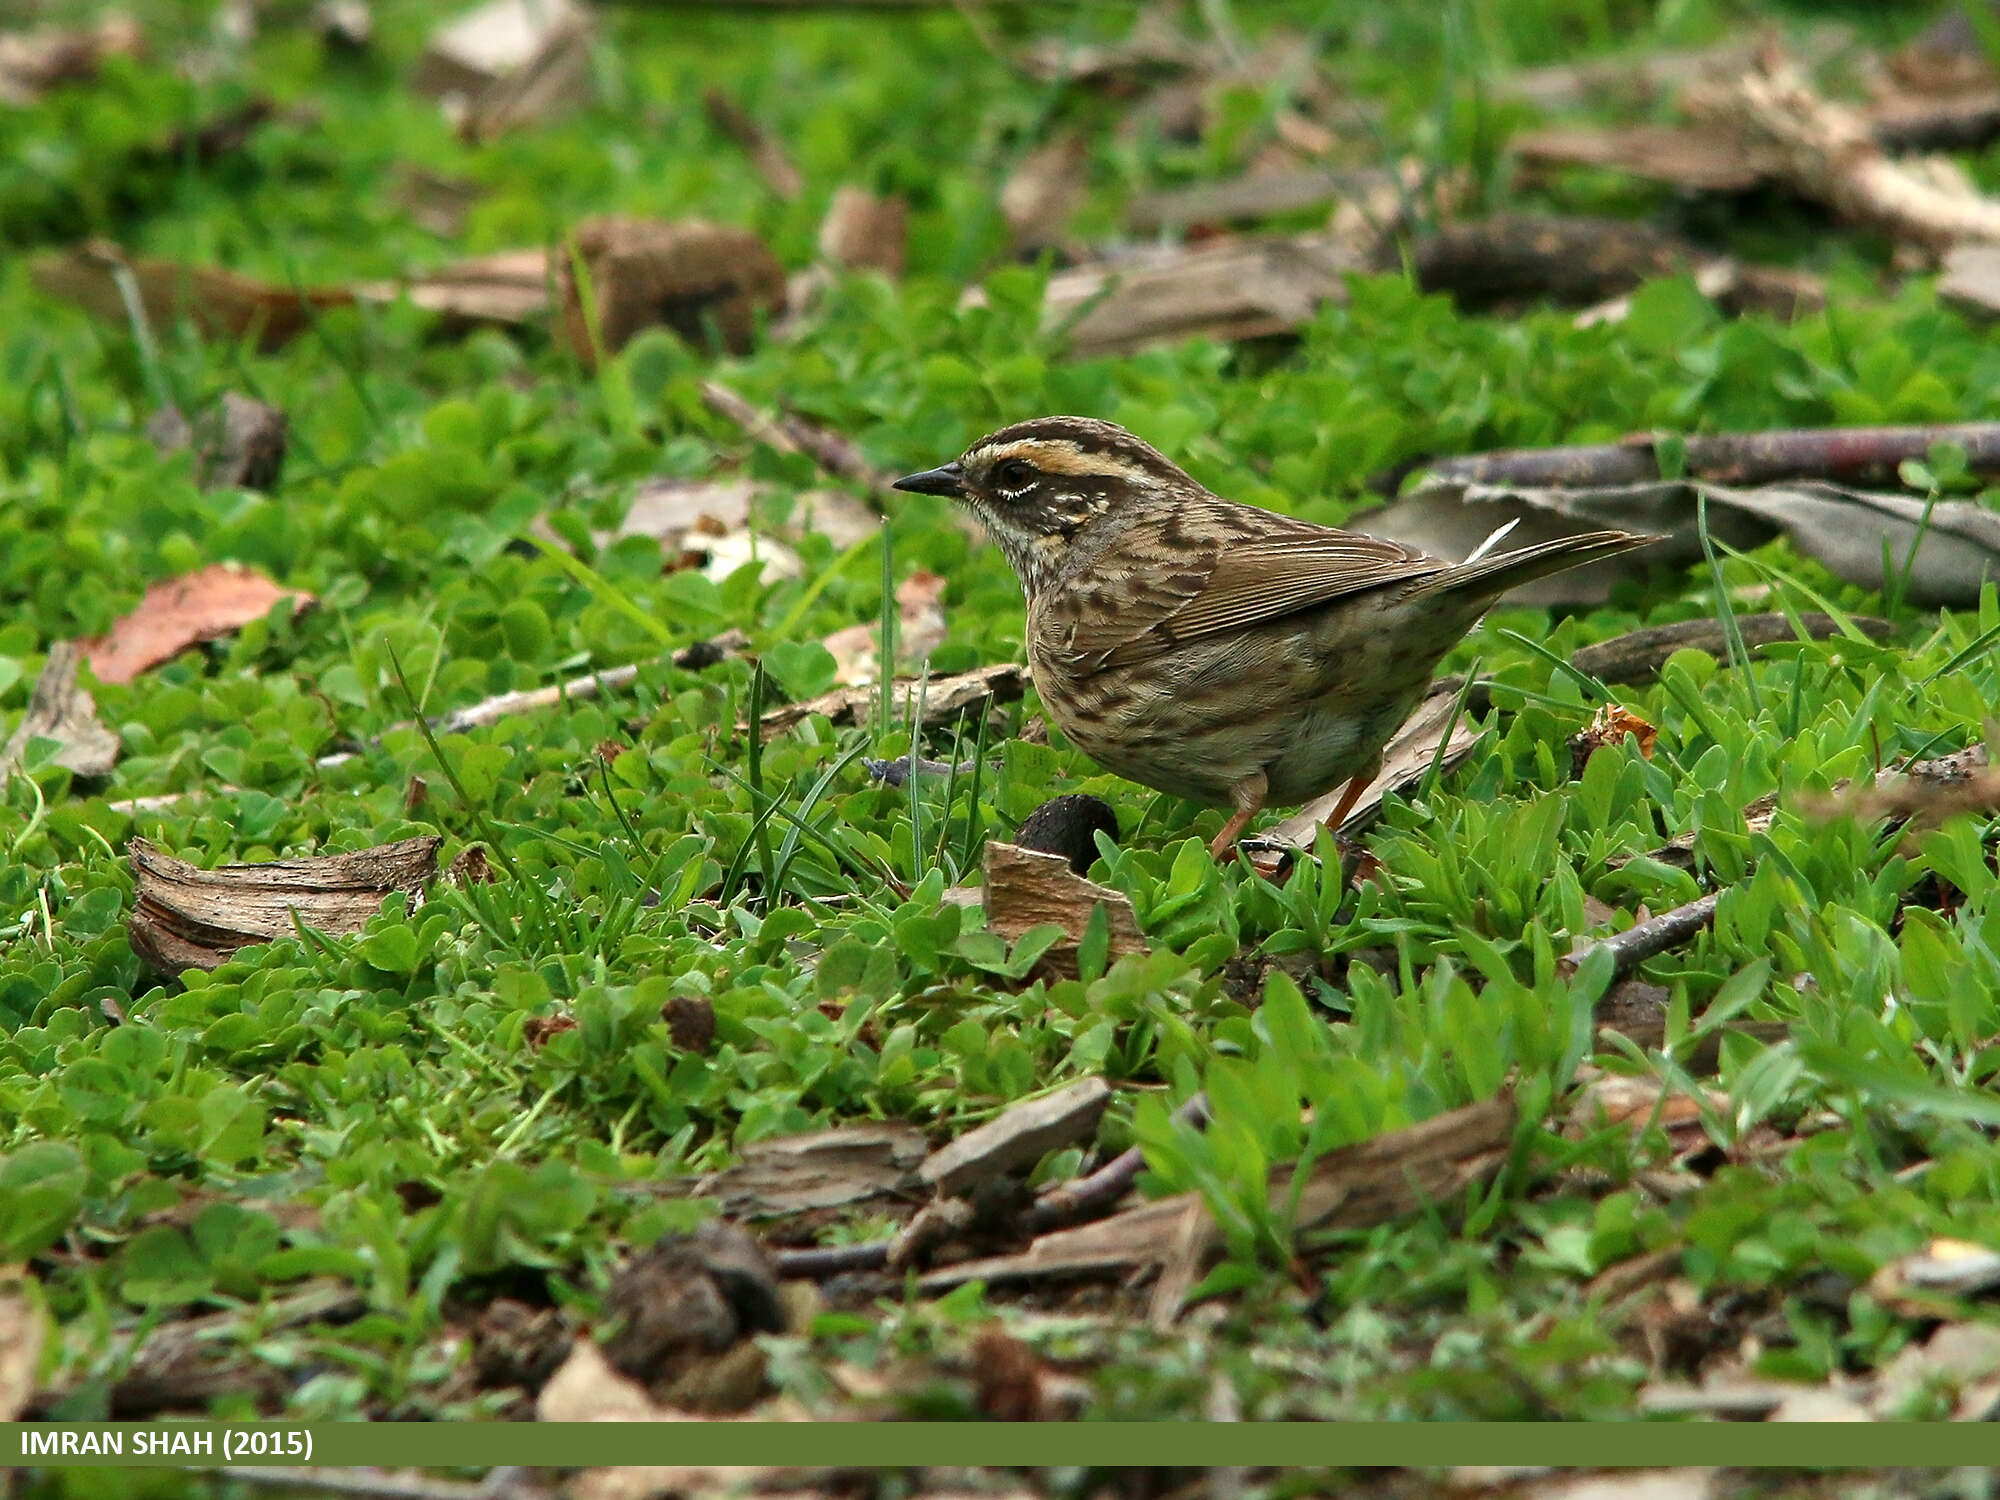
(1493, 576)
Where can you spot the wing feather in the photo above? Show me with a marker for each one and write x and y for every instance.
(1249, 568)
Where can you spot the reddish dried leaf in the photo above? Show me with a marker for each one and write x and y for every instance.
(184, 612)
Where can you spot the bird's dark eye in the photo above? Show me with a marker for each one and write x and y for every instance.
(1014, 474)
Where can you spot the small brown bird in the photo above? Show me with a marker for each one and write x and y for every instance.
(1211, 650)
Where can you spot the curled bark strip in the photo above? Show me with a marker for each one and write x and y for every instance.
(1845, 454)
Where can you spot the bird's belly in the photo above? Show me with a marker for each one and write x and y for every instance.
(1206, 716)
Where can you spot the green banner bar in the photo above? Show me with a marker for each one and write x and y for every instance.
(890, 1444)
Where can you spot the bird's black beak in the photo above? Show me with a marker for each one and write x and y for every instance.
(948, 481)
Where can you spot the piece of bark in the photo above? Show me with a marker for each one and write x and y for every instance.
(33, 62)
(1849, 455)
(1258, 195)
(789, 1175)
(1040, 195)
(943, 698)
(505, 289)
(220, 304)
(1351, 1187)
(1572, 260)
(1027, 889)
(508, 63)
(60, 710)
(1406, 759)
(864, 232)
(1021, 1136)
(1830, 155)
(1939, 553)
(765, 154)
(1726, 1398)
(183, 612)
(1226, 289)
(185, 917)
(1638, 655)
(1695, 159)
(238, 443)
(698, 279)
(1932, 122)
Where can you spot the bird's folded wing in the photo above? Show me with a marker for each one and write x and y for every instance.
(1243, 583)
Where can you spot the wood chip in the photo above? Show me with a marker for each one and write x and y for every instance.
(60, 710)
(863, 232)
(238, 443)
(185, 917)
(1021, 1136)
(788, 1175)
(1227, 289)
(703, 281)
(1025, 889)
(183, 612)
(944, 697)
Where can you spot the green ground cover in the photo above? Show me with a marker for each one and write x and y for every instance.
(377, 1112)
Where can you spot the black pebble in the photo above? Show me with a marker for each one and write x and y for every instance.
(1068, 826)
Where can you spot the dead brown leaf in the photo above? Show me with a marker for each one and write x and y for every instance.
(699, 280)
(920, 630)
(184, 612)
(1226, 289)
(1018, 1137)
(185, 917)
(1012, 1383)
(1692, 158)
(61, 710)
(788, 1175)
(1609, 726)
(683, 1318)
(33, 62)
